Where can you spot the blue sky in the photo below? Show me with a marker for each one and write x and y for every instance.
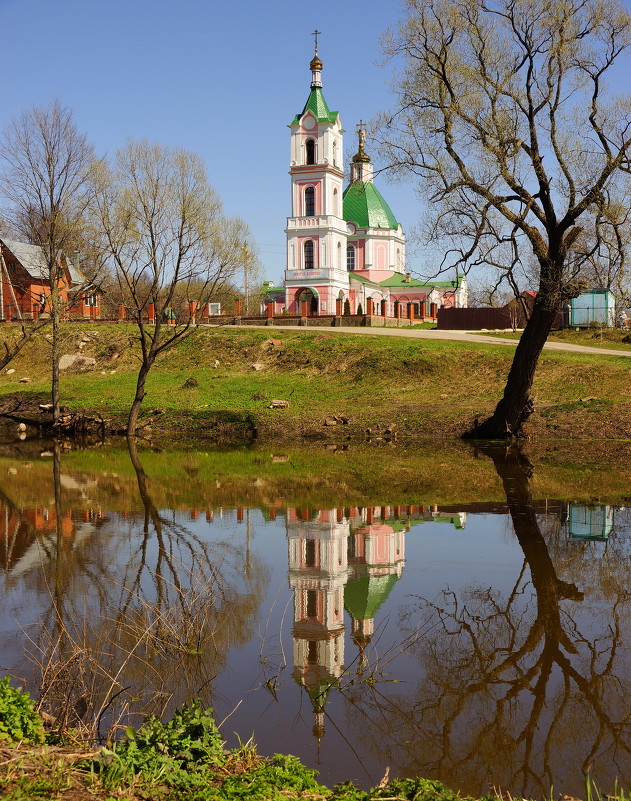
(220, 79)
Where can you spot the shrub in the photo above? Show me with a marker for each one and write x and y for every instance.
(360, 309)
(19, 722)
(347, 307)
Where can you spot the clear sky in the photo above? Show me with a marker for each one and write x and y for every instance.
(220, 79)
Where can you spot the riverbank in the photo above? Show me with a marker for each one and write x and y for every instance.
(183, 758)
(219, 385)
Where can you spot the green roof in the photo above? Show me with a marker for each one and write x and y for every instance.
(354, 277)
(364, 596)
(364, 205)
(316, 104)
(400, 281)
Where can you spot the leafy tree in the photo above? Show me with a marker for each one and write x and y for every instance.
(503, 116)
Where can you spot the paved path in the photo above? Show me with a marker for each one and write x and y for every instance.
(457, 336)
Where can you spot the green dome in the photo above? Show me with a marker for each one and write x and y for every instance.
(364, 205)
(364, 595)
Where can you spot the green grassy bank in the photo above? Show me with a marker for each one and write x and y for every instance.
(220, 383)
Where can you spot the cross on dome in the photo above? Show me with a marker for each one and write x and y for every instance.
(316, 64)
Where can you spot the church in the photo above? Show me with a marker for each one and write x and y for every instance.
(345, 248)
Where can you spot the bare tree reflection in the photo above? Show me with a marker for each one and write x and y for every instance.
(152, 633)
(524, 687)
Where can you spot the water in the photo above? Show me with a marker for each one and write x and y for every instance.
(477, 642)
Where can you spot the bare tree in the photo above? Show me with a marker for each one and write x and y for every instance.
(46, 180)
(166, 235)
(503, 117)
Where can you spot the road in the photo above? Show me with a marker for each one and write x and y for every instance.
(454, 336)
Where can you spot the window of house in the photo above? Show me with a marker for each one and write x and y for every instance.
(309, 201)
(310, 146)
(350, 258)
(308, 254)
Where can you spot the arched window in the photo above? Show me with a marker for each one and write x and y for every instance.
(339, 256)
(350, 258)
(309, 201)
(336, 210)
(335, 152)
(310, 145)
(309, 254)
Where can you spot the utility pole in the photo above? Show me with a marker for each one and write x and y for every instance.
(246, 277)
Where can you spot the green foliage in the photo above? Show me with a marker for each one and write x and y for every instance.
(19, 722)
(401, 789)
(178, 753)
(360, 309)
(283, 777)
(347, 307)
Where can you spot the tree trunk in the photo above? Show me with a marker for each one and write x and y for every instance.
(132, 420)
(516, 405)
(54, 314)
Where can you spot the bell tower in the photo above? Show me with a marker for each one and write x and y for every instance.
(316, 231)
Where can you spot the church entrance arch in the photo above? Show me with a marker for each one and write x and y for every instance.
(309, 295)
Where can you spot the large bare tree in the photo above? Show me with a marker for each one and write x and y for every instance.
(166, 236)
(504, 117)
(46, 180)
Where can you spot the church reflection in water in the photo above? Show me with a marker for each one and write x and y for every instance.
(343, 559)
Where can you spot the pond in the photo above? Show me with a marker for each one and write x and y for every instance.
(455, 613)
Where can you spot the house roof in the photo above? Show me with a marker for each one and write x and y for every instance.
(365, 206)
(33, 259)
(317, 105)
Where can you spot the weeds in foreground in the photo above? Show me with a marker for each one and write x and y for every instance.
(19, 722)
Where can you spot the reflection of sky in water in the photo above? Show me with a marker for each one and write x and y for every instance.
(259, 686)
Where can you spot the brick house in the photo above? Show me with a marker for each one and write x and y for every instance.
(25, 286)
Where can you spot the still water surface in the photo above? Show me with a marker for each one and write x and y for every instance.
(475, 643)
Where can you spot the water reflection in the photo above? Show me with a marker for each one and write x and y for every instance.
(525, 680)
(471, 643)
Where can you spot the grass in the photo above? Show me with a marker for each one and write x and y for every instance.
(589, 337)
(425, 387)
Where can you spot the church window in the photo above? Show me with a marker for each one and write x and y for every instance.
(339, 256)
(310, 145)
(336, 208)
(335, 152)
(308, 254)
(350, 258)
(312, 603)
(310, 553)
(312, 652)
(309, 201)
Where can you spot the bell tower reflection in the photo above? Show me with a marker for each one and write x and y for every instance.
(338, 558)
(317, 573)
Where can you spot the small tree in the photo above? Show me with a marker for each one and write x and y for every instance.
(503, 115)
(46, 179)
(360, 309)
(166, 236)
(347, 307)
